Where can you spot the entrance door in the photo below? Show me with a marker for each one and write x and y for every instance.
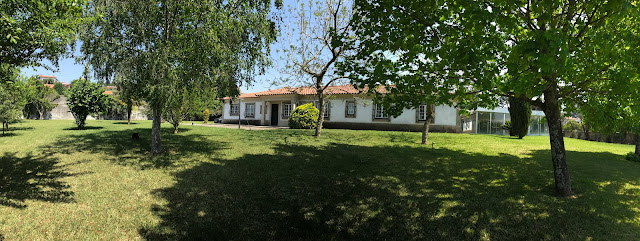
(274, 114)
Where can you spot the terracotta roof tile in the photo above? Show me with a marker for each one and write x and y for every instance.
(331, 90)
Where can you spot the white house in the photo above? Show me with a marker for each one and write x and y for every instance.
(347, 108)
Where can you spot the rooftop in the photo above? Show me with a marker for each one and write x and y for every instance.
(306, 90)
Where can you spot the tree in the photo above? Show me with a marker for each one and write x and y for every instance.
(86, 98)
(12, 102)
(36, 30)
(39, 97)
(180, 104)
(129, 94)
(315, 45)
(547, 53)
(618, 111)
(520, 112)
(162, 44)
(59, 88)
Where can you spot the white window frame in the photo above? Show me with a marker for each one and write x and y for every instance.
(326, 109)
(422, 112)
(249, 112)
(232, 107)
(352, 110)
(287, 108)
(382, 113)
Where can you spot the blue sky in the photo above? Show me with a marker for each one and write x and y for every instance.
(69, 70)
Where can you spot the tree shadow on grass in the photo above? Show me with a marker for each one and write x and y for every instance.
(83, 129)
(125, 123)
(12, 131)
(350, 192)
(119, 147)
(32, 178)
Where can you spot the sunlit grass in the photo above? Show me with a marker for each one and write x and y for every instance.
(221, 184)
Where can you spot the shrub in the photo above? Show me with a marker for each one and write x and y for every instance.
(632, 157)
(571, 125)
(205, 115)
(304, 117)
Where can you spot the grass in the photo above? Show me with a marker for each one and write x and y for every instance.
(57, 183)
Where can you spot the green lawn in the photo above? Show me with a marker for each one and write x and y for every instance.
(57, 183)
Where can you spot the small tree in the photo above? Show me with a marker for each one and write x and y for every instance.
(205, 115)
(520, 112)
(39, 96)
(59, 88)
(11, 103)
(86, 98)
(304, 117)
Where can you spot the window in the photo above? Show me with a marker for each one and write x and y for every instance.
(326, 110)
(286, 110)
(250, 110)
(424, 111)
(379, 112)
(235, 109)
(350, 109)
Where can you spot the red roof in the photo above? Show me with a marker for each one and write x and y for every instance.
(46, 76)
(330, 90)
(108, 92)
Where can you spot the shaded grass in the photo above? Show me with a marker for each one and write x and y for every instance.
(222, 184)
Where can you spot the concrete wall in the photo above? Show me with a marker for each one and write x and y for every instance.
(62, 112)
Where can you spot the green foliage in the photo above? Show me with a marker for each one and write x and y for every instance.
(520, 112)
(631, 156)
(39, 97)
(36, 30)
(572, 125)
(507, 126)
(205, 115)
(160, 48)
(304, 117)
(86, 98)
(59, 88)
(12, 101)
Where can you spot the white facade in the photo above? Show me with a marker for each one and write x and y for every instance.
(446, 117)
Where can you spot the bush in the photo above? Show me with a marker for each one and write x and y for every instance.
(571, 125)
(632, 157)
(205, 115)
(304, 117)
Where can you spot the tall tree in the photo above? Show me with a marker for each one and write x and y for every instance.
(520, 112)
(36, 30)
(39, 97)
(129, 94)
(545, 52)
(157, 44)
(315, 29)
(86, 98)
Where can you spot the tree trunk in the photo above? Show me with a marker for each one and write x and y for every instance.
(175, 128)
(425, 132)
(40, 113)
(156, 139)
(321, 115)
(3, 125)
(558, 153)
(129, 109)
(637, 144)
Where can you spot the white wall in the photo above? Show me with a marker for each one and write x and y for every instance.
(444, 115)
